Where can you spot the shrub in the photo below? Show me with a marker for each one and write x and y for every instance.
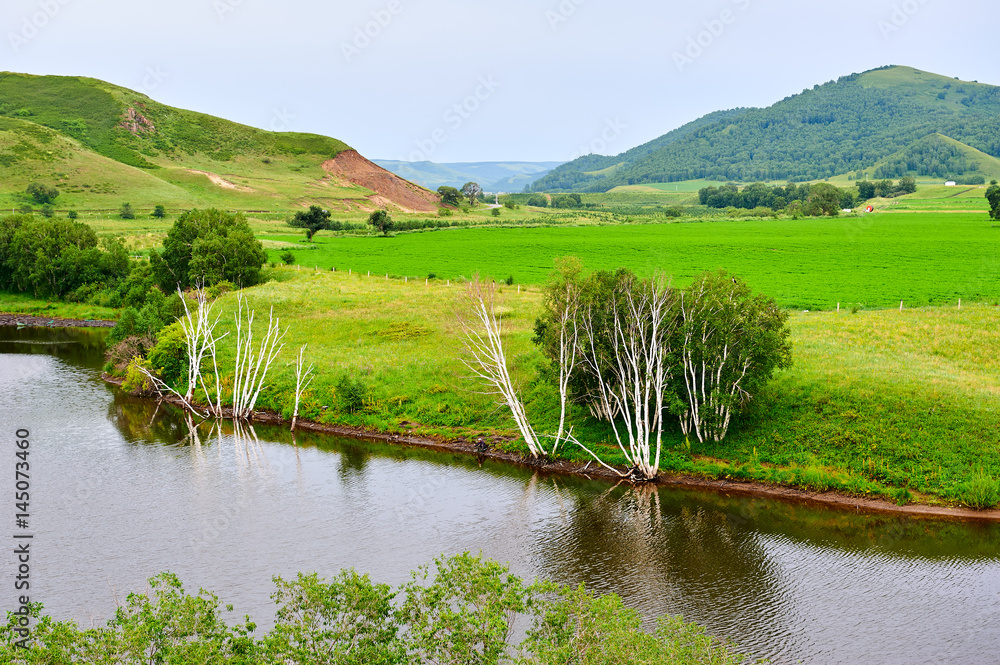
(287, 257)
(136, 381)
(126, 211)
(72, 214)
(495, 212)
(351, 394)
(980, 493)
(168, 359)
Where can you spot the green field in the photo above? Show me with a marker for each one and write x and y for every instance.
(866, 261)
(875, 401)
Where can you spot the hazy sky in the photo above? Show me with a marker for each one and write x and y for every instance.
(474, 81)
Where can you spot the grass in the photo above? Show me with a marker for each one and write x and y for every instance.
(865, 261)
(899, 405)
(11, 303)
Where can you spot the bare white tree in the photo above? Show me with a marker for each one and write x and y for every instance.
(637, 369)
(302, 381)
(567, 315)
(199, 338)
(252, 362)
(483, 327)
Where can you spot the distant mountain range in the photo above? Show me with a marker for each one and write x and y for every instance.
(887, 122)
(101, 145)
(491, 176)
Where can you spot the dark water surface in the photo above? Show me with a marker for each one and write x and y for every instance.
(120, 492)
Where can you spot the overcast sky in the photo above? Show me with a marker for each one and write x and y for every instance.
(537, 80)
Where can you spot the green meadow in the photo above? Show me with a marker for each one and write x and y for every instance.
(886, 403)
(872, 261)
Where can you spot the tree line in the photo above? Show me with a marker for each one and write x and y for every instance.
(808, 199)
(460, 610)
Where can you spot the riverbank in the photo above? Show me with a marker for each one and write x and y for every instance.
(21, 320)
(492, 447)
(898, 407)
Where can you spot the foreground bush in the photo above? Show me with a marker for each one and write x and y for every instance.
(461, 610)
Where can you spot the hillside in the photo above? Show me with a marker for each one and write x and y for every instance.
(101, 145)
(491, 176)
(839, 127)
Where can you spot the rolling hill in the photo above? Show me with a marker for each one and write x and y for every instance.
(102, 144)
(491, 176)
(858, 122)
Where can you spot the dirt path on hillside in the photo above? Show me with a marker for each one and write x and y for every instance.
(221, 182)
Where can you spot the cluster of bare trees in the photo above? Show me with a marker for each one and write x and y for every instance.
(253, 357)
(638, 353)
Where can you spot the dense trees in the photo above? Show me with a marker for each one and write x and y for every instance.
(313, 221)
(206, 247)
(538, 201)
(836, 128)
(55, 257)
(646, 350)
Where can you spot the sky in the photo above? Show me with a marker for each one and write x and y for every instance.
(515, 80)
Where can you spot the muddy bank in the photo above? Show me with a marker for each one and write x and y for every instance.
(49, 322)
(485, 448)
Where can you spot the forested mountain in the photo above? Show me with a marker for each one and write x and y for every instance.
(843, 126)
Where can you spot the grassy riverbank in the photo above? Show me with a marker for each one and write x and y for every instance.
(902, 405)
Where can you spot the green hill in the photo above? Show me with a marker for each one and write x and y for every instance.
(854, 123)
(101, 145)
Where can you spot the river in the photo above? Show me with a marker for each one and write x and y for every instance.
(121, 491)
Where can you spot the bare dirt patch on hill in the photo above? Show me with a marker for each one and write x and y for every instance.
(408, 197)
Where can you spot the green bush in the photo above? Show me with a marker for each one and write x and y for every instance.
(168, 359)
(980, 493)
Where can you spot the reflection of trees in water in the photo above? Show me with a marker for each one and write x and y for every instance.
(143, 420)
(82, 347)
(353, 460)
(663, 557)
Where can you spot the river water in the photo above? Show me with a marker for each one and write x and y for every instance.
(121, 491)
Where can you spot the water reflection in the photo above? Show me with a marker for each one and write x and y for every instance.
(227, 506)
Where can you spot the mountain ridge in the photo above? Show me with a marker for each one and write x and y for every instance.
(831, 129)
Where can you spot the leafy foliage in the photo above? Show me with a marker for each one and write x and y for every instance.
(42, 193)
(993, 196)
(313, 221)
(449, 195)
(54, 257)
(462, 615)
(471, 191)
(381, 220)
(717, 327)
(208, 246)
(838, 127)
